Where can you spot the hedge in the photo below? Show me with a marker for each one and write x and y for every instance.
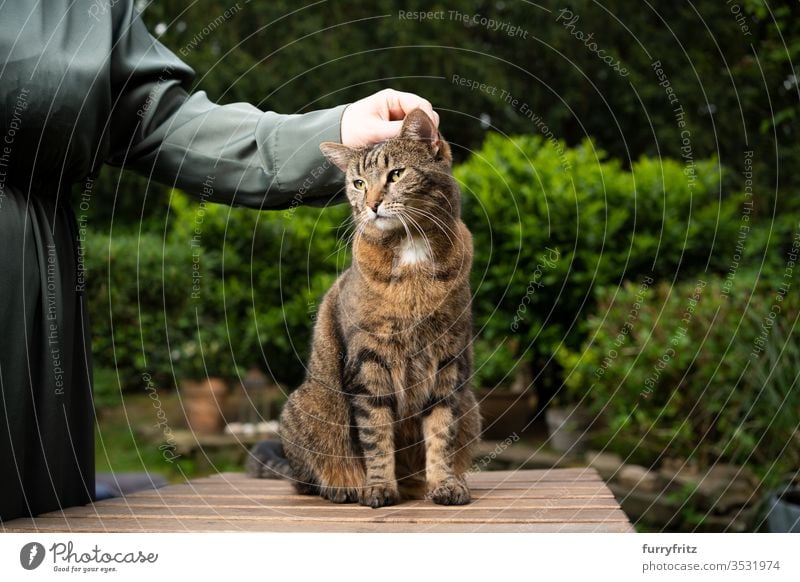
(552, 223)
(705, 370)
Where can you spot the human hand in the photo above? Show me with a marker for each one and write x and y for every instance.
(379, 117)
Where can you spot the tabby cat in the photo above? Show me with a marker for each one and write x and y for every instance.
(385, 411)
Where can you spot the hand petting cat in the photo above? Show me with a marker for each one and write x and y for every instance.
(380, 116)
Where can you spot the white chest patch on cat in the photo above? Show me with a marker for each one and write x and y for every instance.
(413, 251)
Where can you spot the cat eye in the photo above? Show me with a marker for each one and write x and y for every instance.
(394, 175)
(359, 184)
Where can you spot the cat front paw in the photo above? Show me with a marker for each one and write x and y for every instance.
(339, 494)
(379, 495)
(451, 491)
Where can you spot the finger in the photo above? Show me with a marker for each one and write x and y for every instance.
(401, 104)
(384, 130)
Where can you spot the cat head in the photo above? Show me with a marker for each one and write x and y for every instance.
(404, 184)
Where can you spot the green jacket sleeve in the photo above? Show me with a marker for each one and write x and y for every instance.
(234, 154)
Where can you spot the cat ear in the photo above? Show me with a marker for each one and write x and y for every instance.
(417, 125)
(337, 153)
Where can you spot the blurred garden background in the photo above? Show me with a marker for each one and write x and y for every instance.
(628, 172)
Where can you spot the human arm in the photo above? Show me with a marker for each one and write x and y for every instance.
(254, 158)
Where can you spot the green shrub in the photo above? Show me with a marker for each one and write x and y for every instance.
(107, 390)
(695, 371)
(226, 289)
(551, 223)
(259, 278)
(136, 290)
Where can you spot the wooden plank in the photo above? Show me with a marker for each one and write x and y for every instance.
(402, 514)
(179, 492)
(260, 487)
(486, 496)
(538, 476)
(526, 474)
(128, 525)
(257, 486)
(544, 500)
(298, 502)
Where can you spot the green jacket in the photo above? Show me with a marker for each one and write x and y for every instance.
(100, 89)
(256, 159)
(82, 83)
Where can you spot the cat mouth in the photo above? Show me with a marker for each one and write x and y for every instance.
(381, 215)
(384, 221)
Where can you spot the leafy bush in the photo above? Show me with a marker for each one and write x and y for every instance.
(106, 389)
(551, 223)
(705, 370)
(226, 289)
(136, 289)
(259, 277)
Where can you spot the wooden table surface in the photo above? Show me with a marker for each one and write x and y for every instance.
(553, 500)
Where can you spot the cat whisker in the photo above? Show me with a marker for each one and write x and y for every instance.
(405, 226)
(345, 243)
(441, 194)
(434, 218)
(341, 241)
(438, 222)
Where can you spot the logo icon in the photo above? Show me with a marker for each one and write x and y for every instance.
(31, 555)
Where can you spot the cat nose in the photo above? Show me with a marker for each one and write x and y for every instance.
(373, 205)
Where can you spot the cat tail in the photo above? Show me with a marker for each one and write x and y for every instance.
(266, 460)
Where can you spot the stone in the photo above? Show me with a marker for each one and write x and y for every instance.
(720, 488)
(734, 522)
(607, 464)
(639, 478)
(654, 509)
(725, 486)
(679, 472)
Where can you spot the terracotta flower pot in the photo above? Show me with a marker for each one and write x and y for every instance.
(203, 401)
